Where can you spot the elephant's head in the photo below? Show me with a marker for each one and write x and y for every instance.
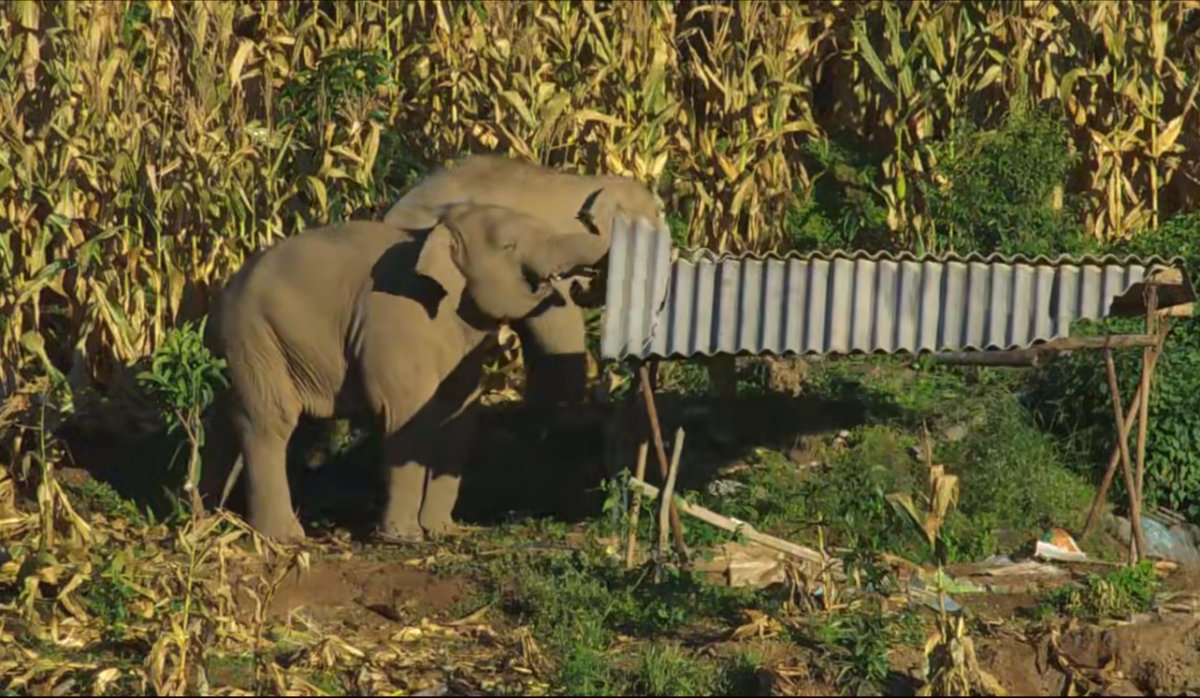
(503, 260)
(617, 196)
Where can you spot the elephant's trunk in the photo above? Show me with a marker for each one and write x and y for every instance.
(566, 254)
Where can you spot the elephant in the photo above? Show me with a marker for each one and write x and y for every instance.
(390, 320)
(553, 342)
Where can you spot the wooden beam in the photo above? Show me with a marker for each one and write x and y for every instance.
(723, 522)
(1182, 310)
(1033, 355)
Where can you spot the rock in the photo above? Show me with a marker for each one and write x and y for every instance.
(724, 488)
(956, 432)
(787, 375)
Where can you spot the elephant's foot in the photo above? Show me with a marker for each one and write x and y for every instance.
(282, 529)
(401, 533)
(445, 528)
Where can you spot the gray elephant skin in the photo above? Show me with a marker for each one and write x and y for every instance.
(391, 320)
(552, 342)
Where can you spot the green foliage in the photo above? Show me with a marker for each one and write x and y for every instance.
(996, 190)
(1119, 594)
(844, 208)
(109, 596)
(183, 379)
(341, 77)
(686, 377)
(1072, 399)
(1015, 479)
(102, 498)
(184, 376)
(577, 604)
(856, 645)
(668, 670)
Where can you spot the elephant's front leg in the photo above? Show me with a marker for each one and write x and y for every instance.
(407, 471)
(453, 450)
(270, 497)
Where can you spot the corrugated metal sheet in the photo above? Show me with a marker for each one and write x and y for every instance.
(846, 303)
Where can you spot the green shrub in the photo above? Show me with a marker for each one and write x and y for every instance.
(1071, 395)
(1001, 190)
(843, 209)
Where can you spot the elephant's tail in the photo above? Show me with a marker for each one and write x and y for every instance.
(223, 460)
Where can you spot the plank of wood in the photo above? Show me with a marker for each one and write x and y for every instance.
(711, 517)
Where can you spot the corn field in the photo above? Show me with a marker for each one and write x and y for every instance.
(146, 147)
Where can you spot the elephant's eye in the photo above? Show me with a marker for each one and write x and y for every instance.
(509, 246)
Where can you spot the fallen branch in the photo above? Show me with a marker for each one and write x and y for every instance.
(733, 526)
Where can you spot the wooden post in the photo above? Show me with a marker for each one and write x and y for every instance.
(668, 494)
(1148, 359)
(1132, 416)
(635, 506)
(661, 450)
(1135, 505)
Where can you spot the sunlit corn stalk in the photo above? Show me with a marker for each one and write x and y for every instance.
(147, 148)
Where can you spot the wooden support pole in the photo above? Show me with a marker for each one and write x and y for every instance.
(1135, 505)
(661, 450)
(1148, 361)
(1132, 416)
(635, 506)
(1020, 358)
(669, 494)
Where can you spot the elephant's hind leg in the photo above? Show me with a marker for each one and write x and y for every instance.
(264, 417)
(270, 496)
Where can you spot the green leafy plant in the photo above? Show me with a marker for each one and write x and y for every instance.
(1119, 594)
(183, 378)
(856, 645)
(109, 597)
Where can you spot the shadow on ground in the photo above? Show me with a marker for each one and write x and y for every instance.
(521, 467)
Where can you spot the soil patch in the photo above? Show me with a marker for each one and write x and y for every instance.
(365, 595)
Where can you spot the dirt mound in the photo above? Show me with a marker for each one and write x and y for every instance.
(1160, 657)
(365, 595)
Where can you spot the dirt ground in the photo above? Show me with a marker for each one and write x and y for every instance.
(382, 593)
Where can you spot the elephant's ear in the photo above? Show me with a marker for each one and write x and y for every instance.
(437, 260)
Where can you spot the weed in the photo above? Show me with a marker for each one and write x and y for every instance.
(231, 670)
(742, 675)
(1119, 594)
(109, 596)
(667, 670)
(103, 499)
(330, 684)
(856, 645)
